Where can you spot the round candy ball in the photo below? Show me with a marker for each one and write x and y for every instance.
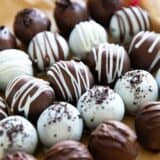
(68, 150)
(7, 39)
(98, 104)
(46, 48)
(28, 22)
(17, 134)
(85, 36)
(136, 87)
(113, 140)
(60, 121)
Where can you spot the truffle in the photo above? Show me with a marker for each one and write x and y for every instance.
(70, 79)
(28, 22)
(136, 87)
(113, 140)
(60, 121)
(107, 62)
(7, 39)
(98, 104)
(19, 156)
(46, 48)
(147, 125)
(85, 36)
(17, 134)
(3, 109)
(144, 51)
(13, 63)
(68, 13)
(68, 150)
(28, 96)
(127, 22)
(102, 10)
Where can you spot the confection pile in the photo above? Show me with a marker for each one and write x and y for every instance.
(102, 64)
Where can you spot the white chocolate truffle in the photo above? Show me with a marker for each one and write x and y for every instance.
(13, 63)
(46, 48)
(61, 121)
(136, 87)
(158, 77)
(17, 134)
(99, 104)
(127, 22)
(85, 36)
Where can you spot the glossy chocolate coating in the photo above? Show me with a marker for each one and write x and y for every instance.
(68, 13)
(29, 22)
(147, 125)
(7, 39)
(113, 140)
(68, 150)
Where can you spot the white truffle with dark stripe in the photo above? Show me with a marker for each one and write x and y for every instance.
(60, 121)
(3, 109)
(46, 48)
(17, 134)
(136, 87)
(108, 62)
(144, 51)
(28, 96)
(70, 79)
(126, 22)
(98, 104)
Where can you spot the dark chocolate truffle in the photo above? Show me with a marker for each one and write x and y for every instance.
(7, 39)
(108, 62)
(102, 10)
(144, 51)
(70, 79)
(28, 22)
(68, 13)
(28, 96)
(19, 156)
(3, 109)
(147, 125)
(68, 150)
(113, 140)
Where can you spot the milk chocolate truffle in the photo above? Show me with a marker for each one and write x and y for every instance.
(70, 79)
(147, 125)
(98, 104)
(46, 48)
(144, 51)
(19, 156)
(102, 10)
(107, 62)
(60, 121)
(127, 22)
(17, 134)
(68, 13)
(113, 140)
(3, 109)
(28, 22)
(14, 63)
(7, 39)
(68, 150)
(28, 96)
(85, 36)
(136, 87)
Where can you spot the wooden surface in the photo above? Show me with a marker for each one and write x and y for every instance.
(9, 9)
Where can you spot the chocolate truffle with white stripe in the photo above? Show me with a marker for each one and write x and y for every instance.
(28, 96)
(3, 109)
(17, 134)
(70, 79)
(136, 87)
(144, 51)
(127, 22)
(108, 62)
(98, 104)
(46, 48)
(60, 121)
